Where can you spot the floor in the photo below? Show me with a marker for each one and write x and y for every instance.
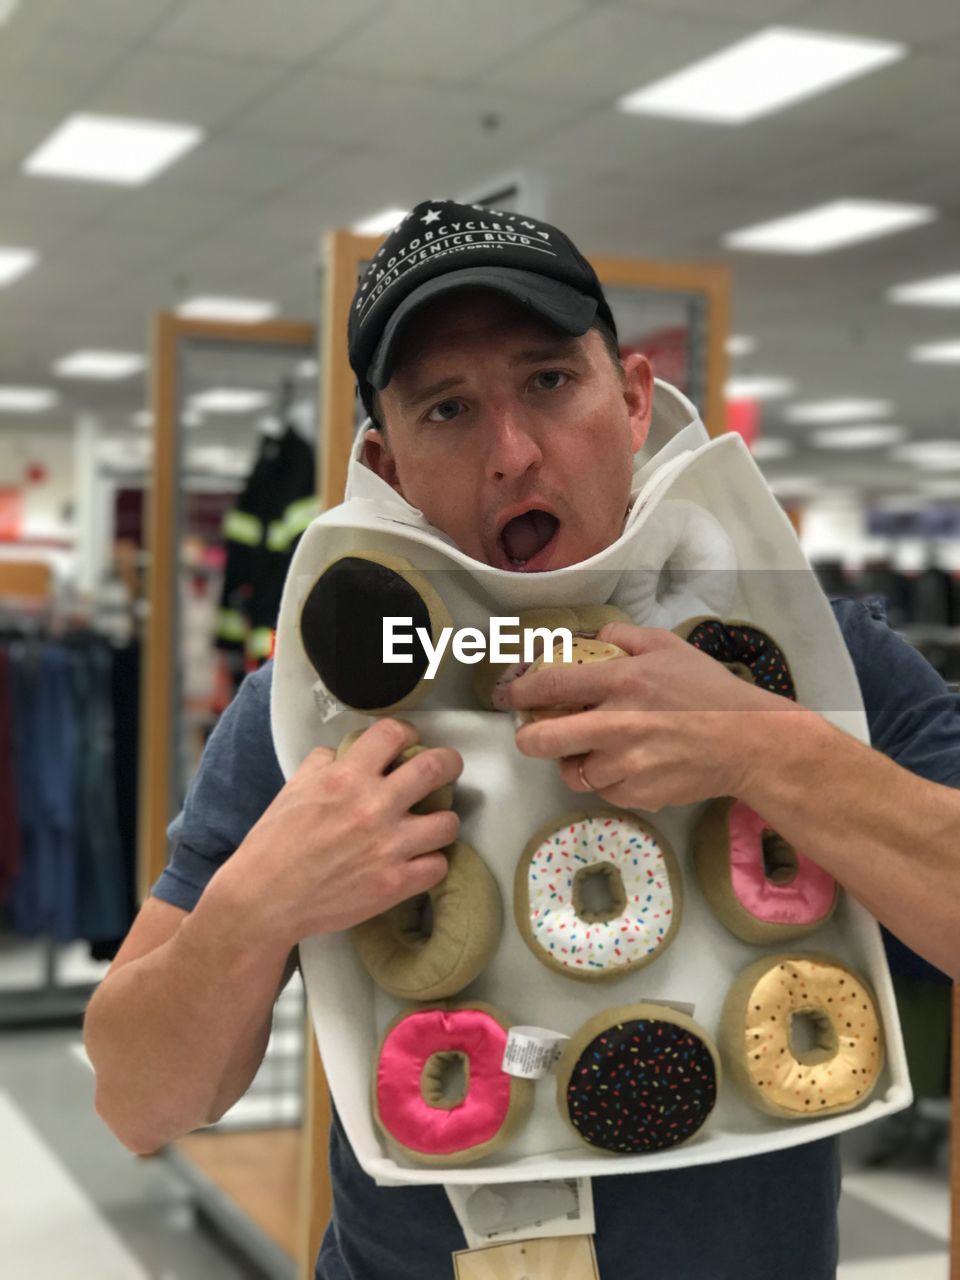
(70, 1192)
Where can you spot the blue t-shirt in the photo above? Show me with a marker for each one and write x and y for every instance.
(747, 1219)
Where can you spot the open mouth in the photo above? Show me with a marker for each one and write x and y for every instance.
(525, 541)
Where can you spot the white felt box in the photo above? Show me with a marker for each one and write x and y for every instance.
(503, 797)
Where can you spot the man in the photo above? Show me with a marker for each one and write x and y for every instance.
(485, 352)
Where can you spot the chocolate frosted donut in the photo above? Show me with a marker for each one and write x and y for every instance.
(639, 1078)
(746, 650)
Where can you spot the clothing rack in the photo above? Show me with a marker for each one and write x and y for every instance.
(29, 597)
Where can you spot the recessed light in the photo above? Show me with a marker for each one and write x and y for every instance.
(241, 310)
(758, 388)
(864, 436)
(27, 399)
(937, 352)
(763, 73)
(111, 149)
(935, 454)
(771, 448)
(379, 223)
(844, 410)
(830, 226)
(105, 365)
(738, 344)
(15, 263)
(229, 400)
(938, 291)
(799, 486)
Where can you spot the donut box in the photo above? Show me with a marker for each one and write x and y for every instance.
(504, 799)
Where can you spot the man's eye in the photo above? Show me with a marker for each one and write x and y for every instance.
(445, 411)
(550, 379)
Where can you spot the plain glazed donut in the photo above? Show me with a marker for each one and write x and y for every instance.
(759, 886)
(435, 944)
(745, 650)
(640, 1078)
(440, 1093)
(436, 801)
(597, 895)
(583, 621)
(840, 1067)
(341, 629)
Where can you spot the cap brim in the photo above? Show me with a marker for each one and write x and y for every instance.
(558, 303)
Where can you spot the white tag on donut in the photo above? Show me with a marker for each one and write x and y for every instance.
(325, 702)
(532, 1052)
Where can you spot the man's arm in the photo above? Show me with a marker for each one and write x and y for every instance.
(179, 1025)
(671, 726)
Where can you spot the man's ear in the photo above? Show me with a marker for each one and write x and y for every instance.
(638, 395)
(379, 458)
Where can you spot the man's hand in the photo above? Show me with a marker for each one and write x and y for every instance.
(667, 725)
(338, 844)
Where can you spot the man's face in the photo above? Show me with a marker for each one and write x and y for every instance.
(513, 439)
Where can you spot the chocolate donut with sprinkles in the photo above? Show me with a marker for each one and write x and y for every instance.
(597, 895)
(637, 1079)
(744, 649)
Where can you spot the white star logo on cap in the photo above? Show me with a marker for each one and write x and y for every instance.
(432, 216)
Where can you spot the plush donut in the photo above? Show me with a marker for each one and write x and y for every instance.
(801, 1035)
(759, 886)
(583, 650)
(744, 649)
(640, 1078)
(341, 627)
(440, 1092)
(435, 944)
(597, 895)
(583, 621)
(437, 800)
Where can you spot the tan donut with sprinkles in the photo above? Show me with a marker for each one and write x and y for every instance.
(597, 895)
(827, 1064)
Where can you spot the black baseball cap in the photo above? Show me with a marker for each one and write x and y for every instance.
(441, 246)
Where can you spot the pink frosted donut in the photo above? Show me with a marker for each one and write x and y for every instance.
(759, 886)
(440, 1093)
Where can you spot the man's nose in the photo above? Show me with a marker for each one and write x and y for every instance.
(514, 448)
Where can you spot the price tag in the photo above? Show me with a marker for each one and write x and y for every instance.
(325, 702)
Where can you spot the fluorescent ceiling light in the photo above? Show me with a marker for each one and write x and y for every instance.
(111, 149)
(864, 436)
(769, 449)
(937, 352)
(830, 226)
(938, 291)
(379, 223)
(15, 263)
(7, 9)
(229, 400)
(795, 486)
(738, 344)
(763, 73)
(104, 365)
(242, 310)
(935, 454)
(758, 388)
(26, 399)
(847, 410)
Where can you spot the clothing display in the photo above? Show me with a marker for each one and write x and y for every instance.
(66, 874)
(709, 1209)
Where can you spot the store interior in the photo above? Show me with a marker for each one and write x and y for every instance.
(176, 406)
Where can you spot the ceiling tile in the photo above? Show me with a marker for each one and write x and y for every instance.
(118, 18)
(916, 24)
(447, 42)
(292, 30)
(49, 207)
(179, 85)
(246, 166)
(59, 70)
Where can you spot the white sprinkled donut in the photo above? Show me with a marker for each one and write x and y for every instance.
(597, 895)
